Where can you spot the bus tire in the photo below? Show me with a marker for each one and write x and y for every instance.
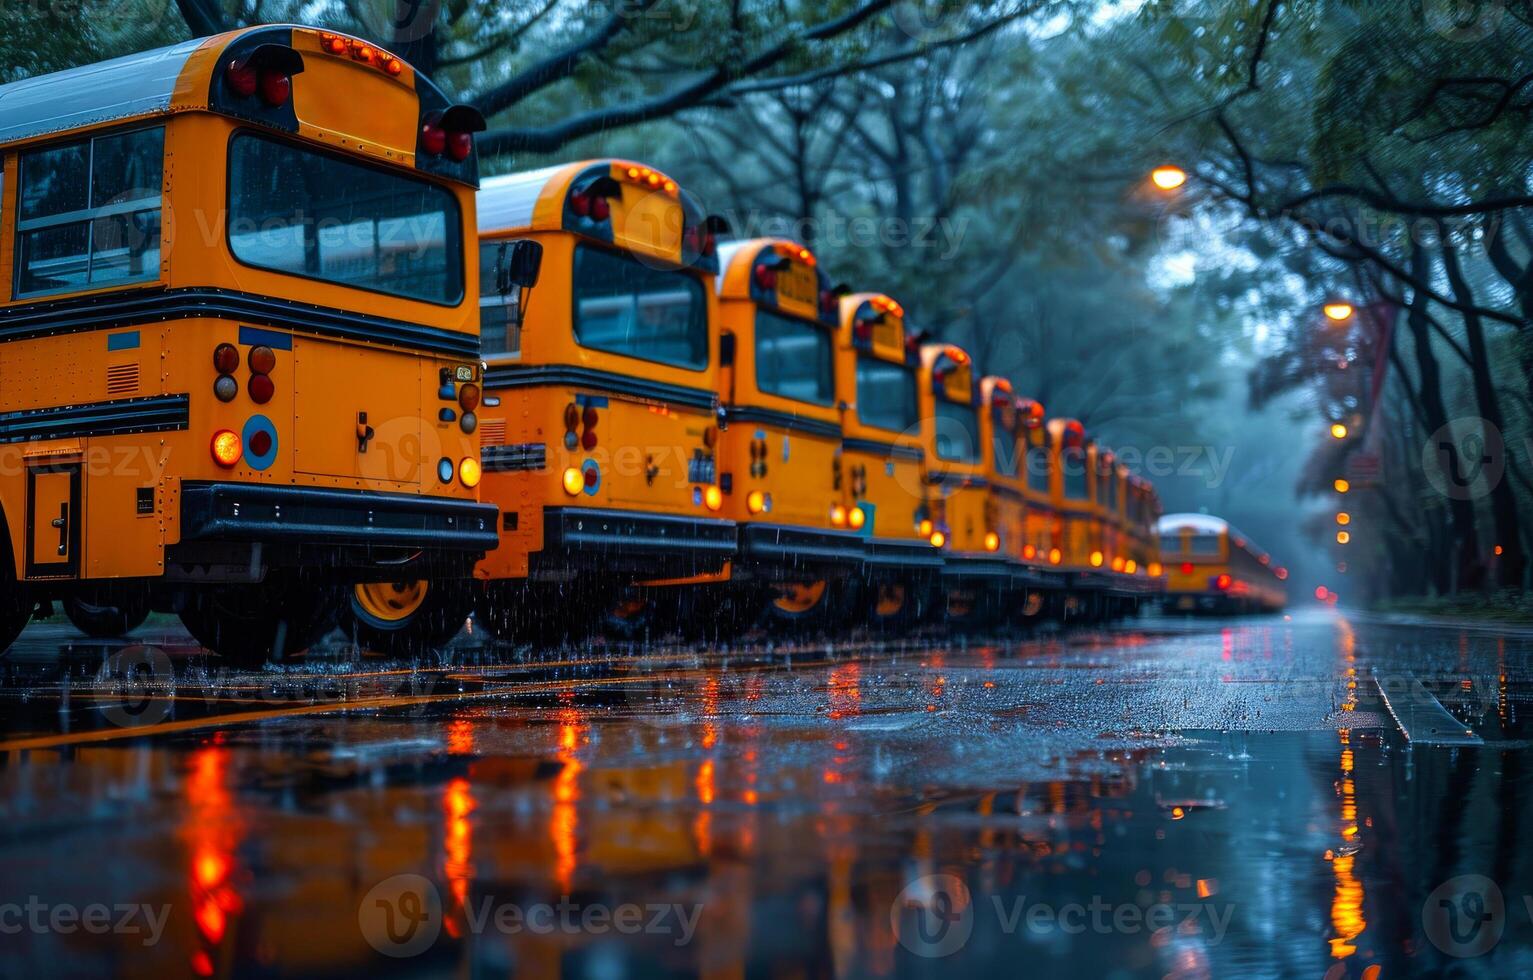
(253, 624)
(106, 616)
(404, 618)
(632, 616)
(895, 606)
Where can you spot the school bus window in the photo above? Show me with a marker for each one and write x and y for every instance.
(886, 395)
(1205, 544)
(793, 359)
(1170, 544)
(498, 331)
(1004, 446)
(1076, 483)
(957, 432)
(89, 213)
(1038, 469)
(626, 307)
(310, 214)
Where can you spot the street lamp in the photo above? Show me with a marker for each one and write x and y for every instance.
(1343, 537)
(1338, 431)
(1338, 312)
(1343, 518)
(1168, 177)
(1342, 486)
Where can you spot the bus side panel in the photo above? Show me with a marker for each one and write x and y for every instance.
(965, 511)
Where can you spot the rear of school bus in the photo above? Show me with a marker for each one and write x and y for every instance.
(235, 285)
(883, 459)
(1072, 491)
(780, 464)
(1003, 438)
(600, 423)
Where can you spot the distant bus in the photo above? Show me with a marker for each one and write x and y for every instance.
(240, 338)
(1213, 568)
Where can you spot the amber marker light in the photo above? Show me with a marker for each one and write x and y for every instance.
(574, 482)
(857, 518)
(1339, 312)
(469, 472)
(226, 447)
(713, 497)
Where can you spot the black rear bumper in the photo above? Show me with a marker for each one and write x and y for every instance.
(245, 513)
(633, 543)
(1113, 584)
(888, 555)
(788, 546)
(994, 569)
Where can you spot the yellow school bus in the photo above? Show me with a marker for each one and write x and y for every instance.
(1043, 529)
(236, 313)
(1143, 517)
(1212, 567)
(1005, 424)
(600, 424)
(882, 457)
(780, 457)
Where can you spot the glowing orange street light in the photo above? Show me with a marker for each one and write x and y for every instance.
(1339, 312)
(1343, 537)
(1342, 486)
(1168, 177)
(1338, 431)
(1343, 518)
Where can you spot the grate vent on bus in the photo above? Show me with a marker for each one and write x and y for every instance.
(492, 432)
(122, 379)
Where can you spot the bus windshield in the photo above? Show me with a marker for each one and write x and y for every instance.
(957, 432)
(886, 395)
(793, 359)
(627, 307)
(307, 213)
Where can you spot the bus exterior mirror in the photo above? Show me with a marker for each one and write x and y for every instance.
(518, 264)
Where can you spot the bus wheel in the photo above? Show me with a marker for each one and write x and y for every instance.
(404, 618)
(893, 606)
(793, 606)
(632, 615)
(106, 616)
(970, 608)
(251, 625)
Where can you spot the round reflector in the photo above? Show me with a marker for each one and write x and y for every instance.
(226, 447)
(225, 388)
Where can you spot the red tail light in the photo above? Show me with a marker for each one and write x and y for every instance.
(863, 329)
(226, 358)
(433, 139)
(262, 359)
(766, 277)
(460, 145)
(276, 88)
(241, 79)
(1222, 583)
(828, 302)
(260, 388)
(1186, 568)
(592, 206)
(226, 448)
(588, 418)
(468, 397)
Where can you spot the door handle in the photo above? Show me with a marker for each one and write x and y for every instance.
(62, 523)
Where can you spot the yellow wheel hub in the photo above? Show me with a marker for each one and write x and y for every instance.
(799, 597)
(891, 599)
(391, 601)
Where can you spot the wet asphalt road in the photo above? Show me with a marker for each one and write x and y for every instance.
(1163, 798)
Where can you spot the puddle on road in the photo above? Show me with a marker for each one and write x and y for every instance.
(1210, 802)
